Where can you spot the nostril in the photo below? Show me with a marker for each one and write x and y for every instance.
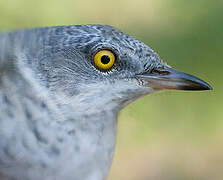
(160, 71)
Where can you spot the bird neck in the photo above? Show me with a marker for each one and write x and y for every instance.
(96, 123)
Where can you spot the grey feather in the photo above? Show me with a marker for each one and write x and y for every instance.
(58, 114)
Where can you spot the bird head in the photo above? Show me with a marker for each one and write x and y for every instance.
(100, 64)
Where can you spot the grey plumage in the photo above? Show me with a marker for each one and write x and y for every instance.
(58, 111)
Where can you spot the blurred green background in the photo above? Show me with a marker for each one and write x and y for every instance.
(169, 135)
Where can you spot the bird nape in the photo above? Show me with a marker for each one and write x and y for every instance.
(61, 89)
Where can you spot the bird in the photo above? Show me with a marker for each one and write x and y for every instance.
(61, 89)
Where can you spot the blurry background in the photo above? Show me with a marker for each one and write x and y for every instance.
(169, 135)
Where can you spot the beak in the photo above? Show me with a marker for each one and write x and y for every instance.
(168, 78)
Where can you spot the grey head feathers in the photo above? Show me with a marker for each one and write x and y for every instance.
(61, 58)
(59, 114)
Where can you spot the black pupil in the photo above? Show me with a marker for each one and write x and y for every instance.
(105, 59)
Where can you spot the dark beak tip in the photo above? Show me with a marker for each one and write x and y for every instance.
(201, 86)
(204, 86)
(208, 87)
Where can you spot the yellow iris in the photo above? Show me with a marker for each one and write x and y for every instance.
(104, 59)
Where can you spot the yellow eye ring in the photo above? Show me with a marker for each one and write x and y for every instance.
(104, 59)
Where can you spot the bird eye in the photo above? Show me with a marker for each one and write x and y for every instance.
(104, 59)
